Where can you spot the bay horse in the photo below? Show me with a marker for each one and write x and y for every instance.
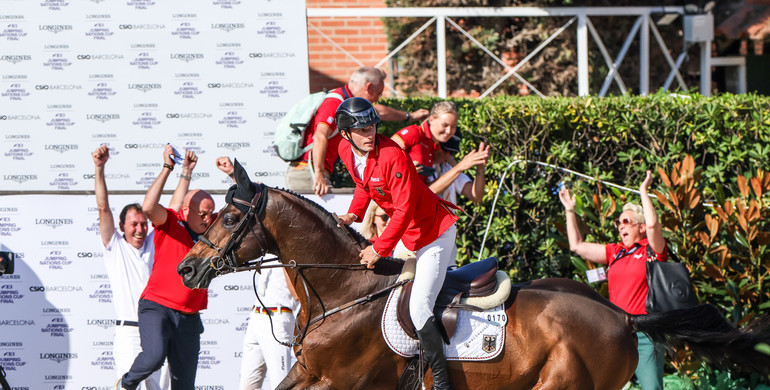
(560, 334)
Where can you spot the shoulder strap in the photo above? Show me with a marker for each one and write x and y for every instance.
(328, 95)
(652, 256)
(624, 252)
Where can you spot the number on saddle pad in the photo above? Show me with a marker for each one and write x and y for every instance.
(291, 131)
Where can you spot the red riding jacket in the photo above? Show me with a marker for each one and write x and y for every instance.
(417, 215)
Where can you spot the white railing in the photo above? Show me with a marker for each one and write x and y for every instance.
(582, 15)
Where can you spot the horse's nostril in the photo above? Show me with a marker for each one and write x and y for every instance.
(184, 271)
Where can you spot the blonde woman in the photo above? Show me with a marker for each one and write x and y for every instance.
(374, 222)
(421, 141)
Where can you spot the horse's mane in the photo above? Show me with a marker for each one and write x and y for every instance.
(323, 213)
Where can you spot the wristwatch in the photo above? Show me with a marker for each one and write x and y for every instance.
(408, 116)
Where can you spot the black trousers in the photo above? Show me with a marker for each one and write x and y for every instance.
(166, 333)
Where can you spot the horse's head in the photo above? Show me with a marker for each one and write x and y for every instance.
(236, 236)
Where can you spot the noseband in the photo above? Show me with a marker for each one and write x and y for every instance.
(226, 260)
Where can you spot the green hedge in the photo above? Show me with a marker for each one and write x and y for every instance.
(615, 139)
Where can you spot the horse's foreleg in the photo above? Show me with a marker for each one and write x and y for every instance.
(299, 378)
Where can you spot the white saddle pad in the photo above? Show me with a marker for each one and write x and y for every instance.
(479, 335)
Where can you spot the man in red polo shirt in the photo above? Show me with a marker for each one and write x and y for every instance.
(422, 221)
(311, 173)
(169, 321)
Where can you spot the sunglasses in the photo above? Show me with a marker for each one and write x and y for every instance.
(384, 217)
(625, 221)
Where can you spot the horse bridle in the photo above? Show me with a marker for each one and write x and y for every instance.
(226, 260)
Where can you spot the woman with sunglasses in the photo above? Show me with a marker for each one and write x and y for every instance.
(627, 273)
(374, 222)
(423, 222)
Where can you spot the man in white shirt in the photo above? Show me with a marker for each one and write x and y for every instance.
(128, 258)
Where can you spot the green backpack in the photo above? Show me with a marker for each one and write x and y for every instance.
(291, 130)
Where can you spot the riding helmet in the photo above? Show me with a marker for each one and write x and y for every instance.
(356, 113)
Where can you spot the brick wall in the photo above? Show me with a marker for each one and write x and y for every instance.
(363, 38)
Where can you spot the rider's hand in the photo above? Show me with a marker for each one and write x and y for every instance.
(348, 218)
(368, 256)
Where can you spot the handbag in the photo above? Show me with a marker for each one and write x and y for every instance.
(669, 284)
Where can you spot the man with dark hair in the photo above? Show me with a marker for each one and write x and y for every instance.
(169, 320)
(128, 259)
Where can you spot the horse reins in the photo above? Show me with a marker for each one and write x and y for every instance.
(226, 262)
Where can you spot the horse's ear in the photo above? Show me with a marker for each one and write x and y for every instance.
(240, 175)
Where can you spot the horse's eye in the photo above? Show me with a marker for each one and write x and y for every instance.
(229, 220)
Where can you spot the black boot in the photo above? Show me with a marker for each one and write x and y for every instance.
(433, 346)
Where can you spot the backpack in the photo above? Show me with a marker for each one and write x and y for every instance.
(291, 130)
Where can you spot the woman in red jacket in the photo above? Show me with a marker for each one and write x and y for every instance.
(422, 221)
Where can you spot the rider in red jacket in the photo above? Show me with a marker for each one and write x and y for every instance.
(422, 221)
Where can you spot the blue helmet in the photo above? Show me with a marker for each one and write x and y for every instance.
(355, 113)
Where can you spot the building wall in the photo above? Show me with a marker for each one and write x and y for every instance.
(363, 38)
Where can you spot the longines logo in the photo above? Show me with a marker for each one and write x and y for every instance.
(58, 357)
(233, 145)
(227, 26)
(55, 28)
(187, 57)
(146, 26)
(19, 178)
(102, 323)
(142, 45)
(15, 58)
(56, 310)
(61, 148)
(274, 116)
(270, 15)
(102, 117)
(53, 222)
(144, 87)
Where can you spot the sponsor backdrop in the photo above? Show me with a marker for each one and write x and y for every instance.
(213, 76)
(56, 314)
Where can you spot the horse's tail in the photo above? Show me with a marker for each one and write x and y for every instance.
(709, 335)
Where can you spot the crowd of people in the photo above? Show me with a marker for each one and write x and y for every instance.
(406, 197)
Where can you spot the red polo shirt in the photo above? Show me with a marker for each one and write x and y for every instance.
(172, 242)
(419, 144)
(627, 276)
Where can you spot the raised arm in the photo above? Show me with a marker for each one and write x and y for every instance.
(654, 230)
(190, 160)
(587, 250)
(474, 191)
(151, 205)
(391, 114)
(106, 220)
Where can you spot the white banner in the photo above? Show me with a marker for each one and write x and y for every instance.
(211, 76)
(56, 314)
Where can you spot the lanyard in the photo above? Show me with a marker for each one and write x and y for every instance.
(625, 252)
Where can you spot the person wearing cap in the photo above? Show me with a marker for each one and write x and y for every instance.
(421, 141)
(422, 221)
(449, 180)
(169, 313)
(128, 258)
(265, 361)
(310, 174)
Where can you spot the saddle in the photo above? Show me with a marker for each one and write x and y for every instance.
(477, 286)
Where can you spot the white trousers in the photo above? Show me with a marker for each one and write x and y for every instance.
(125, 347)
(432, 263)
(265, 362)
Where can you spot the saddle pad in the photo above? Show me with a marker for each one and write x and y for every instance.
(479, 335)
